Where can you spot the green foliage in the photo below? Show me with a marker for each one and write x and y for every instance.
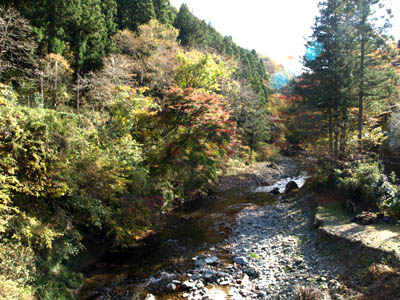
(59, 174)
(7, 96)
(387, 196)
(132, 14)
(11, 290)
(367, 185)
(348, 59)
(79, 30)
(194, 33)
(358, 182)
(163, 11)
(320, 179)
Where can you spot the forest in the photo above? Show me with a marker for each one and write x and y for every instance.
(114, 113)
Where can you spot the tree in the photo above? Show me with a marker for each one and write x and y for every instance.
(17, 46)
(87, 33)
(153, 49)
(329, 85)
(163, 11)
(252, 120)
(55, 79)
(194, 134)
(133, 13)
(186, 23)
(201, 71)
(374, 54)
(348, 60)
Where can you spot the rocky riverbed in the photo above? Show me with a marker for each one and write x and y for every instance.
(262, 250)
(273, 256)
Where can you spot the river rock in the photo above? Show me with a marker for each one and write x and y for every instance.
(150, 297)
(290, 186)
(252, 272)
(171, 286)
(241, 260)
(187, 285)
(215, 295)
(275, 191)
(161, 283)
(200, 263)
(213, 260)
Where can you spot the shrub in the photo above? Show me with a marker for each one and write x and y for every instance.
(357, 182)
(367, 185)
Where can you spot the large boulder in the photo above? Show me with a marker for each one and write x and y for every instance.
(290, 186)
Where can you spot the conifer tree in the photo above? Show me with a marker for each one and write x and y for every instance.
(374, 79)
(79, 30)
(186, 23)
(163, 11)
(348, 59)
(329, 59)
(133, 13)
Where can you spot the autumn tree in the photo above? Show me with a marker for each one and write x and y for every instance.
(195, 132)
(154, 51)
(17, 46)
(55, 76)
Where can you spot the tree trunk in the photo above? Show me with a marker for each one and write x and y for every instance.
(55, 86)
(361, 92)
(330, 129)
(41, 85)
(78, 92)
(336, 132)
(344, 132)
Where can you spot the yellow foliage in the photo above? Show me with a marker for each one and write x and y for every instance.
(11, 290)
(52, 59)
(7, 95)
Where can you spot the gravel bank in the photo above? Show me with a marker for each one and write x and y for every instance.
(280, 245)
(273, 251)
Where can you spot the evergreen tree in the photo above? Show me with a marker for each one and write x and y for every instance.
(133, 13)
(163, 11)
(329, 59)
(187, 24)
(348, 58)
(374, 54)
(79, 30)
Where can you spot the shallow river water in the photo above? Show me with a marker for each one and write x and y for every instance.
(189, 232)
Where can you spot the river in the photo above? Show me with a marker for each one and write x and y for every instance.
(190, 232)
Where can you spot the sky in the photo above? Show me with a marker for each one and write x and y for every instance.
(275, 28)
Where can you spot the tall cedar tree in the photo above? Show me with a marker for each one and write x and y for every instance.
(133, 13)
(374, 54)
(163, 11)
(326, 84)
